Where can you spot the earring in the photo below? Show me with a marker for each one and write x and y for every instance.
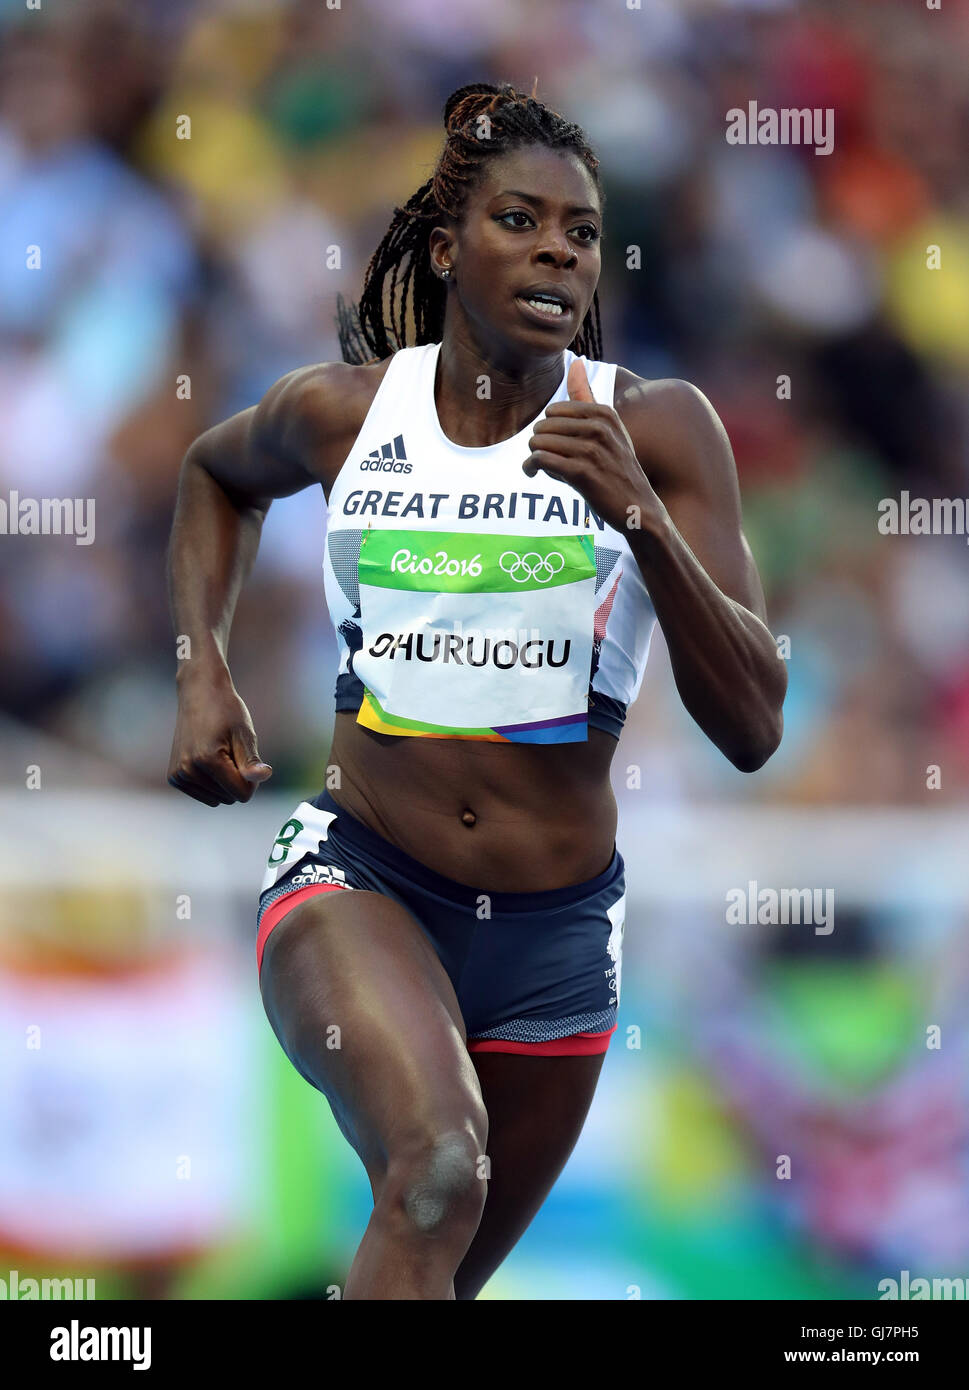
(446, 273)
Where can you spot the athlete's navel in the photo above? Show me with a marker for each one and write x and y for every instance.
(468, 816)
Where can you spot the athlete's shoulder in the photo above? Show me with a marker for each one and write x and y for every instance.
(667, 399)
(313, 414)
(326, 399)
(673, 426)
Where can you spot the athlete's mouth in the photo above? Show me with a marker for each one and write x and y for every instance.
(551, 304)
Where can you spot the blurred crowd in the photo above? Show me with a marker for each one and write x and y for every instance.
(181, 277)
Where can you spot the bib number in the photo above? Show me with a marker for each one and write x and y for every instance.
(471, 636)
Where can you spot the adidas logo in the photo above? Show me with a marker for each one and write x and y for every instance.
(389, 458)
(321, 873)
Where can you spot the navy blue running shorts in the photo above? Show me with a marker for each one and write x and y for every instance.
(533, 972)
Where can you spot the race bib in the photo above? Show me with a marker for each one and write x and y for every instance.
(476, 636)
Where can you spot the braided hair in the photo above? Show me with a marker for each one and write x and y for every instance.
(365, 334)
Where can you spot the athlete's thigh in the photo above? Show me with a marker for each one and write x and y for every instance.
(536, 1109)
(365, 1011)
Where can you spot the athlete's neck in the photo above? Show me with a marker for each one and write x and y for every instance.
(483, 398)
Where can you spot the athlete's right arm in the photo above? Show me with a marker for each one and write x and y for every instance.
(228, 479)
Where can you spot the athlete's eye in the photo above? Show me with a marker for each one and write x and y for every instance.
(515, 212)
(586, 232)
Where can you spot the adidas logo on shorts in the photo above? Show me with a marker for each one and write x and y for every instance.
(389, 458)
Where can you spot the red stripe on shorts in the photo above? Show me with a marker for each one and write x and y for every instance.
(579, 1044)
(282, 905)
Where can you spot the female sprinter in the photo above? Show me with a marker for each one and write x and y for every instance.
(440, 930)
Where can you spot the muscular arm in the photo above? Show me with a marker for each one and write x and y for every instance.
(228, 479)
(659, 467)
(701, 575)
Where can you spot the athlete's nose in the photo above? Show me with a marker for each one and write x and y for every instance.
(555, 250)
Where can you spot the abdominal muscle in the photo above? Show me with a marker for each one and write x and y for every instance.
(509, 817)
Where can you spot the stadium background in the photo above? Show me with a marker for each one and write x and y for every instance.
(151, 1132)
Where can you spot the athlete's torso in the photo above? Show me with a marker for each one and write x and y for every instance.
(544, 813)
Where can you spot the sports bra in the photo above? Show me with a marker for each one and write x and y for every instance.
(469, 600)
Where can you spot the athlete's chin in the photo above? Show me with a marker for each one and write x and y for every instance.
(529, 338)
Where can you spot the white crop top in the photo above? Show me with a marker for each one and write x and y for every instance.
(469, 600)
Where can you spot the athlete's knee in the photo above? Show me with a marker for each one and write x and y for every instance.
(435, 1181)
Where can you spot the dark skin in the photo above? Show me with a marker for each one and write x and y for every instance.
(418, 1109)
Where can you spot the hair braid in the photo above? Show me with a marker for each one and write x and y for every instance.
(377, 326)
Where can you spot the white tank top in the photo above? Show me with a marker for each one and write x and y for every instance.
(469, 600)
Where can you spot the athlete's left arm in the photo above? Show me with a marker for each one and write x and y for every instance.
(661, 469)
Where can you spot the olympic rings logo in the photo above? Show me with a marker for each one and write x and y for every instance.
(531, 566)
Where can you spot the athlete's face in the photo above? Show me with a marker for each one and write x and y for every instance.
(530, 230)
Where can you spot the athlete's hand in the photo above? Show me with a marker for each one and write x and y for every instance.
(214, 755)
(585, 444)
